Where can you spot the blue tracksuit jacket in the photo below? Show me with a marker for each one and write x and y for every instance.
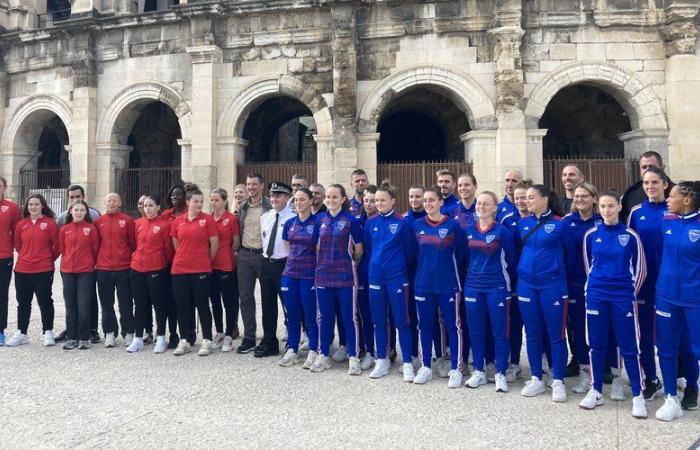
(574, 230)
(679, 275)
(440, 256)
(646, 219)
(541, 262)
(492, 258)
(390, 245)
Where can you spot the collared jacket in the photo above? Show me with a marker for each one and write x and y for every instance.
(541, 262)
(505, 207)
(117, 241)
(574, 230)
(679, 275)
(78, 243)
(36, 244)
(646, 219)
(154, 247)
(440, 256)
(10, 215)
(491, 258)
(390, 245)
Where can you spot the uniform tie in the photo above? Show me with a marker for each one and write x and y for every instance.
(273, 237)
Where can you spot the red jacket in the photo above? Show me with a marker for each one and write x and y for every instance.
(169, 216)
(227, 228)
(154, 247)
(36, 244)
(9, 218)
(117, 241)
(78, 244)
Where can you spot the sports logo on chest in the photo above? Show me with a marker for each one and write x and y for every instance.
(43, 226)
(122, 223)
(156, 229)
(310, 229)
(623, 239)
(693, 235)
(86, 231)
(202, 222)
(548, 228)
(490, 238)
(226, 221)
(4, 208)
(340, 225)
(442, 232)
(393, 227)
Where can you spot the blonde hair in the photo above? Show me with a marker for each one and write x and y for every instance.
(591, 190)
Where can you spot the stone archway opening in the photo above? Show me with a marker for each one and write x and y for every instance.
(154, 137)
(421, 124)
(280, 129)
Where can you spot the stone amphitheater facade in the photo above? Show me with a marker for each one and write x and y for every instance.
(500, 62)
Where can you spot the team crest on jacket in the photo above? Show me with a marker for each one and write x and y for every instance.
(393, 227)
(202, 222)
(341, 225)
(156, 229)
(122, 223)
(225, 222)
(4, 208)
(490, 238)
(43, 226)
(548, 228)
(310, 229)
(623, 239)
(86, 231)
(693, 235)
(442, 232)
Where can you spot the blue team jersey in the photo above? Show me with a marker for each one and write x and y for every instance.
(574, 230)
(335, 237)
(440, 255)
(491, 256)
(466, 216)
(541, 262)
(363, 265)
(301, 262)
(355, 208)
(389, 244)
(646, 219)
(679, 275)
(505, 207)
(414, 215)
(615, 263)
(449, 205)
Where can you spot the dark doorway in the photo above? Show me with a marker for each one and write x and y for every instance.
(154, 138)
(584, 121)
(52, 142)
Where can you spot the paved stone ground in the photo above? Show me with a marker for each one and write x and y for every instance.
(106, 398)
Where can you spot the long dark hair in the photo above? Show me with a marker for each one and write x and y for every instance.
(553, 203)
(69, 214)
(45, 210)
(346, 204)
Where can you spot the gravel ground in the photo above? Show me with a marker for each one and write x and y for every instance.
(107, 398)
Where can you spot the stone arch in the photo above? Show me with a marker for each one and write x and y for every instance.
(40, 106)
(638, 99)
(233, 118)
(466, 93)
(117, 121)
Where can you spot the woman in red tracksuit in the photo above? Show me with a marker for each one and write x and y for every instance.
(36, 241)
(117, 243)
(178, 207)
(78, 243)
(10, 215)
(149, 274)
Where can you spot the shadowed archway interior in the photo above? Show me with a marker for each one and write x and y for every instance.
(154, 137)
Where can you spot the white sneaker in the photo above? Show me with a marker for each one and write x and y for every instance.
(206, 348)
(592, 399)
(304, 343)
(443, 367)
(340, 355)
(129, 338)
(289, 359)
(424, 375)
(182, 347)
(501, 383)
(583, 385)
(671, 409)
(161, 345)
(136, 345)
(110, 340)
(491, 372)
(513, 372)
(49, 341)
(381, 368)
(558, 391)
(533, 387)
(617, 390)
(217, 342)
(477, 379)
(408, 373)
(227, 344)
(366, 362)
(354, 366)
(415, 362)
(455, 379)
(310, 358)
(320, 364)
(639, 407)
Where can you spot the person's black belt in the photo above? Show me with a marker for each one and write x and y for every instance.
(276, 260)
(256, 251)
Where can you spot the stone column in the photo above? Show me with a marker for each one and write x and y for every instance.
(206, 61)
(109, 157)
(639, 141)
(13, 161)
(82, 139)
(325, 159)
(534, 155)
(480, 148)
(185, 159)
(230, 153)
(367, 154)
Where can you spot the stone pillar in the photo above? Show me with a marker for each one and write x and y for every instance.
(185, 159)
(206, 61)
(14, 161)
(82, 139)
(109, 157)
(367, 154)
(325, 159)
(480, 149)
(639, 141)
(534, 155)
(230, 153)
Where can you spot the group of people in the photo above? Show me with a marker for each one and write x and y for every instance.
(454, 279)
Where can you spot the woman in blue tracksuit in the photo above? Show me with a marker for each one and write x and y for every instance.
(390, 244)
(542, 294)
(369, 209)
(492, 257)
(616, 269)
(440, 257)
(583, 217)
(338, 239)
(298, 280)
(678, 289)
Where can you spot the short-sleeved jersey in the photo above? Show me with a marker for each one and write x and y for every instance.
(154, 246)
(491, 257)
(335, 237)
(449, 205)
(226, 228)
(192, 251)
(466, 216)
(301, 262)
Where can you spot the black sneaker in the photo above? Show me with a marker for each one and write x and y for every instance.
(246, 346)
(572, 368)
(173, 341)
(95, 337)
(265, 349)
(690, 399)
(651, 389)
(607, 375)
(392, 356)
(147, 338)
(70, 344)
(60, 337)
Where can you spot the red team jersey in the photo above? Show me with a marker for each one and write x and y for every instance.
(78, 244)
(9, 218)
(36, 244)
(154, 247)
(117, 241)
(192, 253)
(227, 228)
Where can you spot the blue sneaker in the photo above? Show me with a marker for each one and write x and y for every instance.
(2, 339)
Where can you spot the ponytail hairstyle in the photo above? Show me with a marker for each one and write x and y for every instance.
(45, 210)
(154, 198)
(591, 190)
(221, 192)
(524, 184)
(69, 214)
(435, 190)
(552, 198)
(346, 204)
(191, 189)
(690, 189)
(387, 187)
